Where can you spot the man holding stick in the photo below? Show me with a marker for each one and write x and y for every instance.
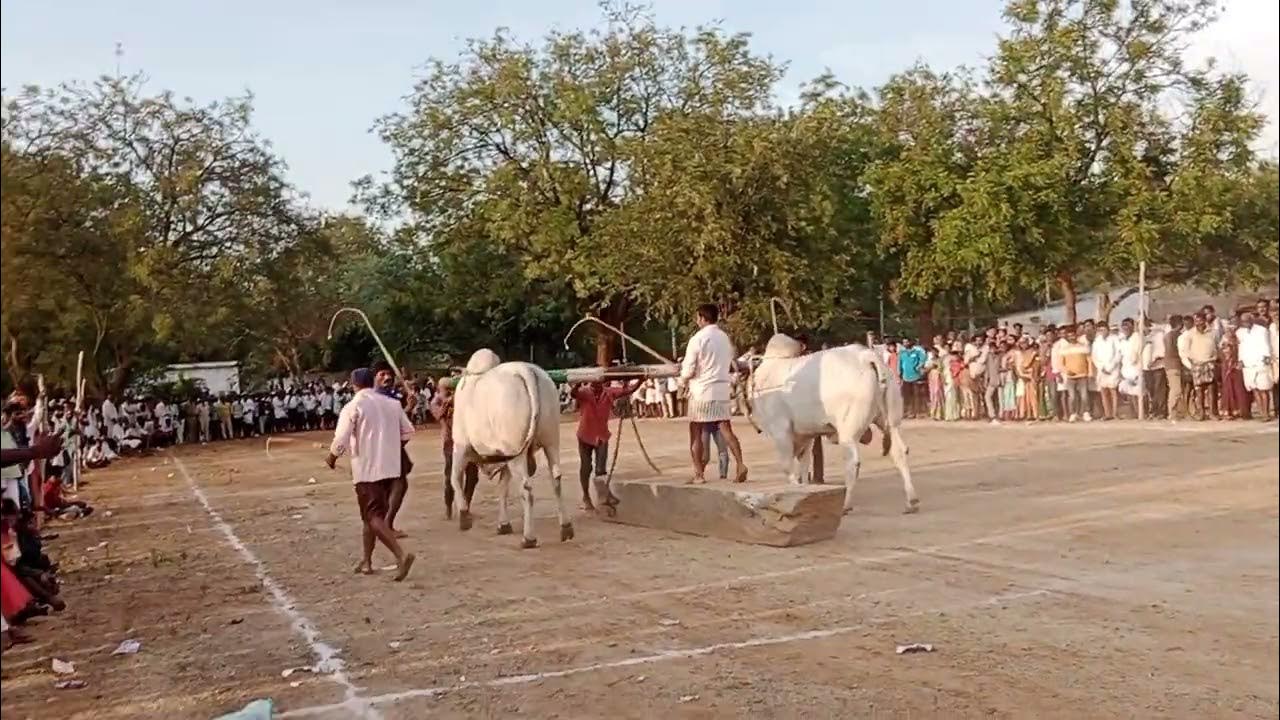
(595, 405)
(373, 429)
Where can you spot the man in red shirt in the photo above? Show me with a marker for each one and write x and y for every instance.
(595, 405)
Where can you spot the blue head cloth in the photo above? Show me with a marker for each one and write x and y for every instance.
(362, 378)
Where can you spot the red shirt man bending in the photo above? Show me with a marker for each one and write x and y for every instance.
(595, 406)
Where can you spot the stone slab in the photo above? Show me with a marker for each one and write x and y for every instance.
(778, 514)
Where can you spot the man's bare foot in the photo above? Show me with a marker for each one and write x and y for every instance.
(403, 571)
(742, 475)
(697, 480)
(400, 534)
(588, 505)
(363, 568)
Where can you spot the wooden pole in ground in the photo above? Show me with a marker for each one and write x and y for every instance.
(1142, 339)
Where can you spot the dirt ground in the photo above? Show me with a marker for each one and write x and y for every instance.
(1103, 570)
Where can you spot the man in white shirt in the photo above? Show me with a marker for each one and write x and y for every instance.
(110, 415)
(706, 371)
(373, 429)
(1106, 363)
(1255, 358)
(202, 417)
(279, 413)
(310, 419)
(248, 415)
(1130, 362)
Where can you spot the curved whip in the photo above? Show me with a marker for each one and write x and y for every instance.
(385, 353)
(637, 343)
(774, 302)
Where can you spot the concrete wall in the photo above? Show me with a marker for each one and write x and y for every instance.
(217, 377)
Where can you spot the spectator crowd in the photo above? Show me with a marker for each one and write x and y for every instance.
(1198, 365)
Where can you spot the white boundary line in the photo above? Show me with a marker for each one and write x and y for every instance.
(327, 656)
(662, 656)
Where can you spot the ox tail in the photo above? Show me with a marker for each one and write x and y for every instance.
(530, 381)
(889, 398)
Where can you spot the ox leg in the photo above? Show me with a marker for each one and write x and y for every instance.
(800, 461)
(898, 453)
(526, 499)
(552, 454)
(455, 479)
(852, 465)
(785, 444)
(504, 493)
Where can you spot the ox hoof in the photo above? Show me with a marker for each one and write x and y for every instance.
(448, 513)
(846, 511)
(505, 529)
(529, 543)
(464, 520)
(913, 506)
(566, 532)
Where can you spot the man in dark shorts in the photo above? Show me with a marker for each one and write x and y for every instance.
(373, 428)
(441, 409)
(385, 384)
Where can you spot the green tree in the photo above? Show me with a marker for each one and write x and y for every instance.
(154, 208)
(926, 146)
(531, 148)
(1081, 155)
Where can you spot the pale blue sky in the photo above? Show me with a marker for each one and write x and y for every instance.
(322, 71)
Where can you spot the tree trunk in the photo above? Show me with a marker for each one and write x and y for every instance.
(120, 378)
(1068, 285)
(607, 340)
(924, 322)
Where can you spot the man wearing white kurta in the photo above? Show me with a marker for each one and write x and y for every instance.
(373, 428)
(1106, 362)
(706, 370)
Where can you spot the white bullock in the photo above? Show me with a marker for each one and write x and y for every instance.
(502, 415)
(798, 399)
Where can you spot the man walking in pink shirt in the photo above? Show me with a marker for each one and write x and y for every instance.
(373, 428)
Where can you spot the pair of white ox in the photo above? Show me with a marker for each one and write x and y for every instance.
(505, 413)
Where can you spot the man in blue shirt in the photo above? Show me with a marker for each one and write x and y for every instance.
(911, 360)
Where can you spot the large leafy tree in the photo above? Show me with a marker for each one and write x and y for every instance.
(530, 148)
(136, 219)
(927, 135)
(1087, 146)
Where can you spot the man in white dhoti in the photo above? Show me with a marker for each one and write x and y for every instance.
(707, 369)
(1106, 362)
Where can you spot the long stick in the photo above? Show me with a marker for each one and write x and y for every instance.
(376, 338)
(637, 343)
(1142, 339)
(773, 312)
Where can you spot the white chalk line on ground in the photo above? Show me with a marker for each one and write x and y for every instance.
(327, 656)
(659, 657)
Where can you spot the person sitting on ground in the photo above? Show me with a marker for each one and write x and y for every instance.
(55, 505)
(98, 456)
(25, 556)
(135, 439)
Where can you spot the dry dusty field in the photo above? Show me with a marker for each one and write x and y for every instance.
(1116, 570)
